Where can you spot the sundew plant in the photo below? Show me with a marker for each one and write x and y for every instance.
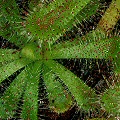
(44, 43)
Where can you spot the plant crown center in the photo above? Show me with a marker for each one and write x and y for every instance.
(33, 51)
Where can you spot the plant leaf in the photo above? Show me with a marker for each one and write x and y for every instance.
(10, 9)
(111, 17)
(110, 99)
(115, 54)
(81, 50)
(10, 68)
(59, 98)
(84, 96)
(30, 106)
(48, 23)
(89, 10)
(8, 55)
(9, 101)
(11, 23)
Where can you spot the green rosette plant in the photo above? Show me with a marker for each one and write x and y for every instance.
(36, 35)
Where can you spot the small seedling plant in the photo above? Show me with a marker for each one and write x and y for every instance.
(37, 34)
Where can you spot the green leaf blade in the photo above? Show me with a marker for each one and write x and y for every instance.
(52, 21)
(13, 31)
(89, 10)
(59, 98)
(8, 55)
(84, 96)
(11, 97)
(91, 50)
(110, 99)
(30, 106)
(10, 68)
(93, 45)
(11, 23)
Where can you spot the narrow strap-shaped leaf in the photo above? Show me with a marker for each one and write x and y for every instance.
(84, 96)
(10, 68)
(4, 63)
(115, 54)
(92, 36)
(13, 31)
(30, 105)
(10, 9)
(48, 23)
(111, 17)
(59, 98)
(110, 99)
(99, 49)
(89, 10)
(8, 103)
(8, 55)
(11, 23)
